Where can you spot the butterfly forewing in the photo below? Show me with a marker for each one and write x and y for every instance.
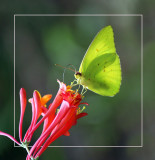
(103, 43)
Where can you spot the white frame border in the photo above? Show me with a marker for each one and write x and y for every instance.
(88, 15)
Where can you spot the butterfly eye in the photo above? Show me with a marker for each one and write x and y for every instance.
(78, 74)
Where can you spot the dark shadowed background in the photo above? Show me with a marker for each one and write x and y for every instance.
(43, 41)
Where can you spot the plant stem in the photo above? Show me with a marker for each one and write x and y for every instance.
(25, 145)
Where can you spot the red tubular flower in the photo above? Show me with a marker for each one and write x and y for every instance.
(36, 112)
(66, 123)
(66, 117)
(38, 106)
(23, 102)
(56, 122)
(52, 107)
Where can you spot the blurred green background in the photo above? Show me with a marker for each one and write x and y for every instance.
(42, 41)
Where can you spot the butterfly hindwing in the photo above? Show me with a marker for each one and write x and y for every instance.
(106, 81)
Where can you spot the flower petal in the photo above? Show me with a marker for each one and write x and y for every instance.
(9, 136)
(36, 112)
(59, 130)
(23, 102)
(67, 133)
(45, 99)
(56, 103)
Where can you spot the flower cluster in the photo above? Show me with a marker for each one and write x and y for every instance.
(56, 122)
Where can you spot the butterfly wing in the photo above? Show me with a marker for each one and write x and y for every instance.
(100, 67)
(104, 41)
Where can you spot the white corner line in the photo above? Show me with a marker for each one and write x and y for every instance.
(141, 15)
(89, 146)
(14, 79)
(78, 15)
(142, 114)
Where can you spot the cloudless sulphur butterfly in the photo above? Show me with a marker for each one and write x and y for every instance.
(100, 69)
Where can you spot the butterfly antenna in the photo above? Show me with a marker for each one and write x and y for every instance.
(74, 70)
(69, 69)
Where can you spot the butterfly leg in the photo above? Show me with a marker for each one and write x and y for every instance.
(84, 90)
(78, 88)
(72, 83)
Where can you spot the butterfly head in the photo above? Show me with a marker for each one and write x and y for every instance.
(77, 75)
